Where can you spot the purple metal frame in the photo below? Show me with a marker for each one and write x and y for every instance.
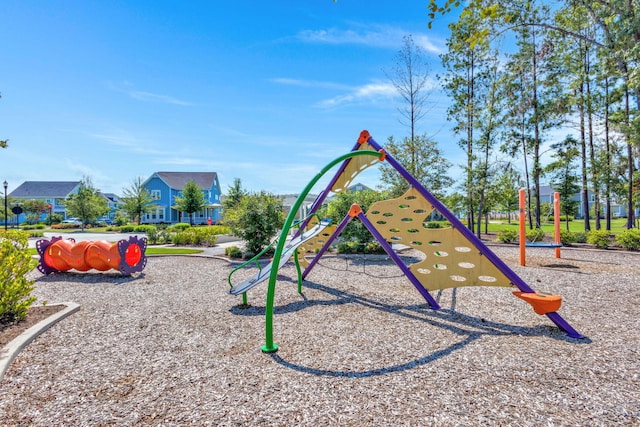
(468, 234)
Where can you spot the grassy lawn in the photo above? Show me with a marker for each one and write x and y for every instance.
(618, 224)
(153, 251)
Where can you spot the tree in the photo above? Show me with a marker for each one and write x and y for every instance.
(234, 196)
(87, 204)
(137, 200)
(410, 77)
(564, 179)
(192, 200)
(423, 159)
(34, 209)
(504, 190)
(338, 208)
(256, 219)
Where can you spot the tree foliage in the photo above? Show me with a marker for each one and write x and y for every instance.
(15, 288)
(255, 218)
(422, 158)
(87, 204)
(137, 200)
(339, 206)
(192, 200)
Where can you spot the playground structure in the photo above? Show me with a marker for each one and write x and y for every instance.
(556, 244)
(126, 256)
(453, 257)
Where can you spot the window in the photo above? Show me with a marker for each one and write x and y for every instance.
(155, 194)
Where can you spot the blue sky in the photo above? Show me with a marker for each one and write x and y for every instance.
(266, 91)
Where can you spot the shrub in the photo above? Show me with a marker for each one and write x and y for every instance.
(233, 252)
(349, 247)
(374, 248)
(15, 289)
(181, 226)
(600, 238)
(629, 239)
(567, 238)
(432, 224)
(581, 236)
(535, 235)
(197, 236)
(144, 228)
(507, 236)
(563, 218)
(127, 228)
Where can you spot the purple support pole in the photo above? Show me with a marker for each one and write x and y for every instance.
(468, 234)
(326, 245)
(412, 278)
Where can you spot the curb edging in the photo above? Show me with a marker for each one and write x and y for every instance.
(11, 350)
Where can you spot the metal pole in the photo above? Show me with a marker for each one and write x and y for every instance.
(6, 212)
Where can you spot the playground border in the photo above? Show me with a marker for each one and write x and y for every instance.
(15, 346)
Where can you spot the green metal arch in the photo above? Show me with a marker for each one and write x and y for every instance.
(270, 346)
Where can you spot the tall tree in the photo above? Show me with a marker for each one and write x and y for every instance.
(192, 200)
(422, 159)
(137, 200)
(563, 176)
(234, 196)
(87, 204)
(410, 77)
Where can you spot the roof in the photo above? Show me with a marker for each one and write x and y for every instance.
(178, 180)
(52, 189)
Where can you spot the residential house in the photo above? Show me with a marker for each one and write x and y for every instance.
(617, 209)
(52, 192)
(165, 186)
(114, 202)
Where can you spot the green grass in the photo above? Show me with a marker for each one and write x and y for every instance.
(617, 225)
(152, 251)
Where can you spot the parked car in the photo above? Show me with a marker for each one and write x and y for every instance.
(74, 221)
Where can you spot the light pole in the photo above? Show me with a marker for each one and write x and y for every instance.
(6, 213)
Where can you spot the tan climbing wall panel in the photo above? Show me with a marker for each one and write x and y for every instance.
(451, 261)
(354, 167)
(312, 246)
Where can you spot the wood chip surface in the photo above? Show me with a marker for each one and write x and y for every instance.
(360, 347)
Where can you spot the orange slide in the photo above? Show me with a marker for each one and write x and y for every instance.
(126, 256)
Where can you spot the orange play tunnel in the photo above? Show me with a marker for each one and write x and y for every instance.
(126, 256)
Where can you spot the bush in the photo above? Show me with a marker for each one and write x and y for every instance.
(15, 289)
(127, 229)
(567, 238)
(535, 235)
(374, 248)
(600, 238)
(181, 226)
(629, 239)
(349, 248)
(233, 252)
(144, 228)
(563, 218)
(581, 236)
(508, 236)
(195, 236)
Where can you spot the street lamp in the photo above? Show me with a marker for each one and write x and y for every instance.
(6, 212)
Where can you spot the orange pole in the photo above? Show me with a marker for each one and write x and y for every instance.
(523, 234)
(556, 221)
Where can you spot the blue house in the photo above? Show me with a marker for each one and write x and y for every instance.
(165, 186)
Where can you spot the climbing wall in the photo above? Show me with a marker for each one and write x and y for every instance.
(313, 245)
(450, 260)
(354, 167)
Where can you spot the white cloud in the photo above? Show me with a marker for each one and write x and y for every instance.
(127, 88)
(372, 36)
(370, 92)
(153, 97)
